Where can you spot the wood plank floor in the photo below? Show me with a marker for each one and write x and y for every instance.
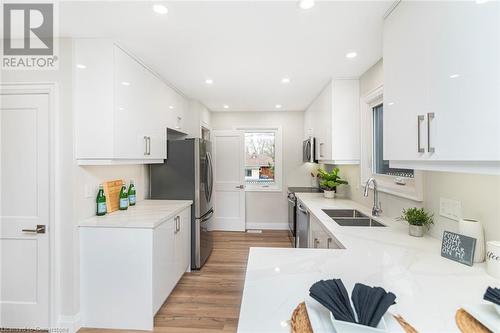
(209, 300)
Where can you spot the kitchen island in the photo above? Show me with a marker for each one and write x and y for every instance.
(429, 288)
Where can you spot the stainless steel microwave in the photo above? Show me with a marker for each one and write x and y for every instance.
(309, 150)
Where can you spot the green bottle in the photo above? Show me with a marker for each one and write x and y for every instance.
(123, 198)
(132, 199)
(101, 202)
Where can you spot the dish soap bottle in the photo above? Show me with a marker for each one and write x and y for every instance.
(101, 202)
(131, 194)
(123, 198)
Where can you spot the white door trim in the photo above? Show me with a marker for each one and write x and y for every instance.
(51, 89)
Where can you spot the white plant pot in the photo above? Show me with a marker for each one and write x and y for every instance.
(329, 194)
(473, 228)
(416, 230)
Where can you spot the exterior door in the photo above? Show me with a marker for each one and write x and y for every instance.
(24, 205)
(229, 170)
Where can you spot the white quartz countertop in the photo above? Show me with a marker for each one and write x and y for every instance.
(145, 214)
(429, 288)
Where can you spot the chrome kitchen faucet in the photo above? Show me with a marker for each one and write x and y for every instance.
(376, 210)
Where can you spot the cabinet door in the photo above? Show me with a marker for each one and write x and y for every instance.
(130, 101)
(93, 98)
(405, 81)
(164, 278)
(318, 236)
(322, 123)
(464, 80)
(182, 242)
(156, 145)
(447, 67)
(177, 116)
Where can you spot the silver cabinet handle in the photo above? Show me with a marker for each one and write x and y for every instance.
(177, 227)
(430, 116)
(145, 145)
(149, 145)
(40, 229)
(328, 242)
(316, 243)
(420, 118)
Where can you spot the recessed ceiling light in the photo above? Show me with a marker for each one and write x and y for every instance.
(171, 107)
(80, 66)
(480, 2)
(121, 108)
(278, 106)
(306, 4)
(391, 103)
(226, 106)
(285, 80)
(209, 81)
(160, 9)
(454, 76)
(351, 55)
(125, 83)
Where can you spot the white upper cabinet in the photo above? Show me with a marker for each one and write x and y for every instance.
(441, 85)
(333, 119)
(196, 117)
(122, 109)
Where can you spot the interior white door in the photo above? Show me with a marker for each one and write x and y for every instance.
(229, 183)
(24, 205)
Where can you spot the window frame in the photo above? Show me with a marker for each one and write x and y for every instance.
(278, 159)
(413, 188)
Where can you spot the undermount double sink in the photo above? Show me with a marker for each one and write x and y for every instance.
(351, 218)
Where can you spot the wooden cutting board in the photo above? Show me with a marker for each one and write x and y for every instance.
(112, 192)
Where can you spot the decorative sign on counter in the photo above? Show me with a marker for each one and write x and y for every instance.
(458, 247)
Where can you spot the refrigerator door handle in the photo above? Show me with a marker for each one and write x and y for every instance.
(204, 217)
(206, 182)
(211, 172)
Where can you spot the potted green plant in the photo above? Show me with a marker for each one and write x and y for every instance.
(418, 220)
(330, 181)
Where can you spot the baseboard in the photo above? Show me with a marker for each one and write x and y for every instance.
(71, 323)
(267, 226)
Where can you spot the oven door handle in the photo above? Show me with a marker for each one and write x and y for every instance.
(299, 207)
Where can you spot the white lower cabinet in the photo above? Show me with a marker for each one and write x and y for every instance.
(127, 273)
(320, 237)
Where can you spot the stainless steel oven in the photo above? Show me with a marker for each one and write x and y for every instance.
(292, 203)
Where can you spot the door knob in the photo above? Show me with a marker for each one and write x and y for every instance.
(40, 229)
(240, 187)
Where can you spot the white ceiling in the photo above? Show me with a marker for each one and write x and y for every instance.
(246, 47)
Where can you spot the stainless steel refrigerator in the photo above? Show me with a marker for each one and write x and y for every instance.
(187, 174)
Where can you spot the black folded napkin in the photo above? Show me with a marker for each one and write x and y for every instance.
(370, 303)
(492, 295)
(333, 295)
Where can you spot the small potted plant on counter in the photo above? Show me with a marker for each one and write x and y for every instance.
(330, 181)
(418, 220)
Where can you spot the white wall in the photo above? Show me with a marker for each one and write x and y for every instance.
(269, 209)
(479, 194)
